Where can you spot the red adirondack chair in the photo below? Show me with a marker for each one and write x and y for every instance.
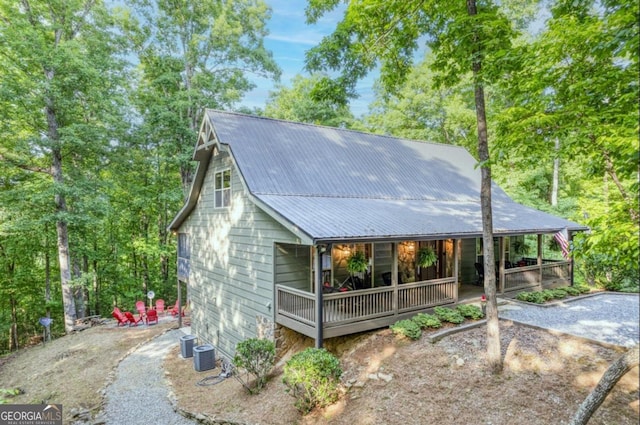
(174, 310)
(121, 318)
(160, 307)
(132, 320)
(152, 316)
(141, 308)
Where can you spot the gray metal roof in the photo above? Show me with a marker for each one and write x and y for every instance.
(338, 184)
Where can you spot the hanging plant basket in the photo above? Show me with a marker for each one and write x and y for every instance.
(426, 257)
(357, 263)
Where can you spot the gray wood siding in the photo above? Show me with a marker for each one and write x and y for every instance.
(232, 249)
(293, 266)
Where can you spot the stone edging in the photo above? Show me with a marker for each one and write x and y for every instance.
(438, 335)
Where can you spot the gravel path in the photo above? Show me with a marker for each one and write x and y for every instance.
(607, 317)
(138, 395)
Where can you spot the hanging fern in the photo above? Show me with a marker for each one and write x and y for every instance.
(357, 263)
(426, 257)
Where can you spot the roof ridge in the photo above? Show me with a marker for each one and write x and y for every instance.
(386, 136)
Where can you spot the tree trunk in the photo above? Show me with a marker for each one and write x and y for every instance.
(617, 370)
(61, 210)
(47, 291)
(556, 176)
(494, 355)
(13, 330)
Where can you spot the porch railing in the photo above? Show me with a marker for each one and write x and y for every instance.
(379, 306)
(532, 276)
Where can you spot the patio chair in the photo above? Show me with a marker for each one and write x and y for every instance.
(152, 316)
(480, 271)
(132, 320)
(141, 308)
(174, 310)
(160, 307)
(121, 318)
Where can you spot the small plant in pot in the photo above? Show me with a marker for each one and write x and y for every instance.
(426, 257)
(357, 263)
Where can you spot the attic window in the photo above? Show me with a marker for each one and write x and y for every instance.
(223, 189)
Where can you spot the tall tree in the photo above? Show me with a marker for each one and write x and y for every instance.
(577, 85)
(196, 55)
(465, 38)
(59, 69)
(297, 104)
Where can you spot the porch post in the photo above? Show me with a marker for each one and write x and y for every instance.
(540, 258)
(456, 242)
(320, 249)
(500, 283)
(394, 276)
(570, 237)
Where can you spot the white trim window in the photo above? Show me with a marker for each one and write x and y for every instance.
(222, 189)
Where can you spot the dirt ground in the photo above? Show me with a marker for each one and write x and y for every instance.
(75, 369)
(387, 380)
(393, 381)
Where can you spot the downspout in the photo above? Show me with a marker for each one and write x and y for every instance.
(502, 248)
(320, 249)
(540, 259)
(456, 242)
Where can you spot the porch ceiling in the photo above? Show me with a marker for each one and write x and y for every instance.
(335, 218)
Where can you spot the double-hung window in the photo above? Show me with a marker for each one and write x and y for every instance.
(223, 189)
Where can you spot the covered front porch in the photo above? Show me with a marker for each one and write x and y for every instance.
(393, 286)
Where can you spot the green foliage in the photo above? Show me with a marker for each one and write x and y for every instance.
(426, 321)
(531, 297)
(448, 315)
(257, 357)
(297, 104)
(357, 262)
(312, 377)
(540, 297)
(470, 311)
(407, 328)
(6, 394)
(426, 257)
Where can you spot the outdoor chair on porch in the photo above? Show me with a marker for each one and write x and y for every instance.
(480, 272)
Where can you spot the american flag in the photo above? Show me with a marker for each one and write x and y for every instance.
(562, 237)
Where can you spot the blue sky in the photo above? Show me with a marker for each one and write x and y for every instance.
(290, 37)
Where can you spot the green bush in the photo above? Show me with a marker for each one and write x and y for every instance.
(312, 377)
(407, 328)
(470, 311)
(532, 297)
(584, 289)
(448, 315)
(559, 293)
(571, 290)
(548, 294)
(257, 357)
(426, 321)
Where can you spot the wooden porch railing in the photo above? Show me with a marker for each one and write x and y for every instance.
(362, 309)
(533, 276)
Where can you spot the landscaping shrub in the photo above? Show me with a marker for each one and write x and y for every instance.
(448, 315)
(547, 294)
(257, 357)
(426, 321)
(312, 377)
(407, 328)
(572, 290)
(470, 311)
(532, 297)
(559, 293)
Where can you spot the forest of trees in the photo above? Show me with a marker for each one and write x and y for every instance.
(100, 106)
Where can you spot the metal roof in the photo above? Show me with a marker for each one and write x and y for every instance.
(336, 184)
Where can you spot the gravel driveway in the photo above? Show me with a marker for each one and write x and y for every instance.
(138, 394)
(607, 317)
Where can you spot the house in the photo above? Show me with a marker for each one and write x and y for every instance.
(278, 209)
